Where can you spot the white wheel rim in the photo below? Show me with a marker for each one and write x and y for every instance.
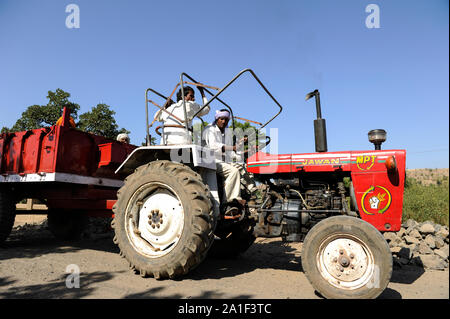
(345, 262)
(161, 221)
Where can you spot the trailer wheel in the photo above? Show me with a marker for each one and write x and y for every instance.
(346, 257)
(164, 220)
(66, 225)
(234, 240)
(7, 214)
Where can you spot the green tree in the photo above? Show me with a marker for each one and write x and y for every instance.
(37, 116)
(100, 121)
(247, 127)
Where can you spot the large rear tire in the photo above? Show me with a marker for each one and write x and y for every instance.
(164, 220)
(346, 257)
(7, 213)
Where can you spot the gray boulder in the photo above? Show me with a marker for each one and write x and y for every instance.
(438, 242)
(424, 249)
(401, 232)
(441, 253)
(390, 236)
(415, 233)
(430, 241)
(442, 233)
(426, 229)
(411, 240)
(411, 223)
(432, 262)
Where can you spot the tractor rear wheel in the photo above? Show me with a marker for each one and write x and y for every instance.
(164, 221)
(7, 213)
(346, 257)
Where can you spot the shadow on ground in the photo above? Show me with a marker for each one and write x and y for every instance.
(35, 241)
(56, 289)
(263, 254)
(208, 294)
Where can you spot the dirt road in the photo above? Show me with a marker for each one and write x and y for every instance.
(34, 265)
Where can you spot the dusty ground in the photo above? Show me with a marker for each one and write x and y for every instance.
(33, 265)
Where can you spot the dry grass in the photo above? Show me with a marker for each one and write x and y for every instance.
(427, 195)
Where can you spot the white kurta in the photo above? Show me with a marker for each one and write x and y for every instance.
(175, 135)
(234, 174)
(215, 140)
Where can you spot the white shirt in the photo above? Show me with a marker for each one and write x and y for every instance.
(176, 135)
(215, 140)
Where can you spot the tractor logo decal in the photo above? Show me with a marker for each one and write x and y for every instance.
(320, 161)
(365, 162)
(376, 199)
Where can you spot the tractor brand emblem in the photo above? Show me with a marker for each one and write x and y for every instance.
(320, 161)
(365, 162)
(376, 199)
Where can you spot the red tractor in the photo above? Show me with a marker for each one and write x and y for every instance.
(168, 214)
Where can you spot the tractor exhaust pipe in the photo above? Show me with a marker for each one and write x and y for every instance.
(320, 131)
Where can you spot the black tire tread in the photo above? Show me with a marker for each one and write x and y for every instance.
(202, 221)
(374, 239)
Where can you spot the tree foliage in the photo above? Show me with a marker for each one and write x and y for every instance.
(100, 120)
(37, 116)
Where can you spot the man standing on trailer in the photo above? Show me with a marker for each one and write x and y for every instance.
(174, 131)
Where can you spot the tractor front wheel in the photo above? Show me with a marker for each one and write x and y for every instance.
(346, 257)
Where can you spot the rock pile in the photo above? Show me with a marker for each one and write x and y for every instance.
(422, 244)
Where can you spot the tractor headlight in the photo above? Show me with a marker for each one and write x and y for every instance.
(377, 137)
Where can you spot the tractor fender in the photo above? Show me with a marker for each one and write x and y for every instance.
(189, 154)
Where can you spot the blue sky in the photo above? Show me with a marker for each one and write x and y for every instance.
(394, 77)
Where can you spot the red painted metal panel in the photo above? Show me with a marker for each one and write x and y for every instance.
(379, 192)
(263, 163)
(61, 149)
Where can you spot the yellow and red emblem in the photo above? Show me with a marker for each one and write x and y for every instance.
(376, 199)
(365, 162)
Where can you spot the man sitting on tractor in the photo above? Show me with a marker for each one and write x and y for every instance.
(174, 129)
(219, 138)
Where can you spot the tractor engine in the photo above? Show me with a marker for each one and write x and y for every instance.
(290, 207)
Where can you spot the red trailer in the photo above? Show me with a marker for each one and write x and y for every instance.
(69, 170)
